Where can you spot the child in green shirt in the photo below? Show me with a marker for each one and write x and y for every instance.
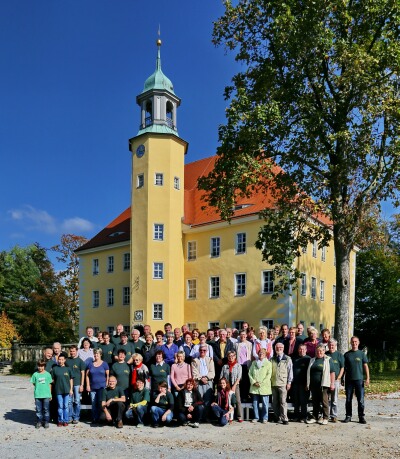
(41, 381)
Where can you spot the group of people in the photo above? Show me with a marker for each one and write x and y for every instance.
(194, 376)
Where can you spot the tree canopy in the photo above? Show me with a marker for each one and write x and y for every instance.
(319, 97)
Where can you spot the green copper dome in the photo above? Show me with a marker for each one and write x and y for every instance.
(158, 80)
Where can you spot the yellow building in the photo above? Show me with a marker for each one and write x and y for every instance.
(166, 259)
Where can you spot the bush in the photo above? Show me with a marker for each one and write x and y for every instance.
(26, 368)
(376, 367)
(391, 365)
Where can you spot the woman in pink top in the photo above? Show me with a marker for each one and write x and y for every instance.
(180, 373)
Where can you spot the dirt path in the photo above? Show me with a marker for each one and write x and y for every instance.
(380, 438)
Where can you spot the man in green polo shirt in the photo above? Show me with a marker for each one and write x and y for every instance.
(355, 364)
(113, 403)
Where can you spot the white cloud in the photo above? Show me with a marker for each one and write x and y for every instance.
(33, 219)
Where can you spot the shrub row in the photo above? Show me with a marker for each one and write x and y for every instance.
(387, 365)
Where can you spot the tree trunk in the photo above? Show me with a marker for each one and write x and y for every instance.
(343, 290)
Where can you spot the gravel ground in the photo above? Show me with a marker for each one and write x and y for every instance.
(380, 438)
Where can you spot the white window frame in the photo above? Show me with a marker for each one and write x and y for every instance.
(215, 247)
(140, 181)
(314, 249)
(304, 249)
(238, 324)
(95, 298)
(334, 294)
(159, 179)
(191, 289)
(213, 324)
(240, 284)
(110, 297)
(126, 296)
(111, 329)
(158, 232)
(303, 287)
(127, 261)
(177, 183)
(268, 282)
(240, 243)
(110, 264)
(158, 311)
(215, 287)
(158, 270)
(313, 291)
(191, 250)
(323, 253)
(269, 323)
(322, 290)
(95, 266)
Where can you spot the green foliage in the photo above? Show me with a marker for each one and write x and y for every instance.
(384, 382)
(70, 275)
(314, 113)
(33, 296)
(25, 368)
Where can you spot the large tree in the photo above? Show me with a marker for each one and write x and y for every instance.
(313, 118)
(70, 274)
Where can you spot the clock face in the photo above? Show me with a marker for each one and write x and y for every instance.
(140, 151)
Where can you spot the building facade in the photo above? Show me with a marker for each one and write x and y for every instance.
(167, 259)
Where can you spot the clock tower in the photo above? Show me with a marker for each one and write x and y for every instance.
(157, 259)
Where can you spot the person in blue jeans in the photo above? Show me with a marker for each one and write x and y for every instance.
(355, 365)
(163, 406)
(78, 368)
(97, 374)
(41, 381)
(224, 407)
(63, 388)
(260, 385)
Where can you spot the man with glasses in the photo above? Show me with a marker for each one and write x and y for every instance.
(203, 372)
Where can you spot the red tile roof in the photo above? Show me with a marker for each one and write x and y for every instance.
(195, 215)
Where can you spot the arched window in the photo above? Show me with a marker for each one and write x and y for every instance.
(149, 113)
(169, 113)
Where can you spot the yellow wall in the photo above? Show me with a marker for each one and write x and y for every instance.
(103, 316)
(157, 204)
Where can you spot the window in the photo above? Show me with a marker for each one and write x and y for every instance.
(127, 261)
(303, 288)
(268, 282)
(213, 324)
(159, 179)
(192, 325)
(177, 183)
(321, 327)
(240, 243)
(157, 311)
(110, 330)
(192, 250)
(110, 297)
(269, 323)
(240, 284)
(95, 266)
(95, 298)
(312, 324)
(158, 270)
(333, 294)
(214, 287)
(334, 259)
(191, 289)
(323, 254)
(110, 264)
(322, 290)
(215, 247)
(332, 330)
(96, 330)
(314, 249)
(126, 296)
(158, 232)
(238, 324)
(140, 181)
(304, 249)
(127, 329)
(313, 288)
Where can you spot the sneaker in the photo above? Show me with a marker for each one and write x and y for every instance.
(195, 425)
(264, 421)
(140, 425)
(185, 424)
(333, 419)
(285, 423)
(38, 425)
(303, 420)
(254, 421)
(46, 425)
(362, 420)
(74, 421)
(311, 421)
(347, 419)
(190, 424)
(65, 424)
(323, 422)
(59, 424)
(119, 424)
(240, 420)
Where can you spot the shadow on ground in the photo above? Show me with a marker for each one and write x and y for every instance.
(21, 416)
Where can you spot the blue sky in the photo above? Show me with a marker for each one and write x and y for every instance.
(69, 75)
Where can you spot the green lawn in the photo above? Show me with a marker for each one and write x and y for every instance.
(383, 383)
